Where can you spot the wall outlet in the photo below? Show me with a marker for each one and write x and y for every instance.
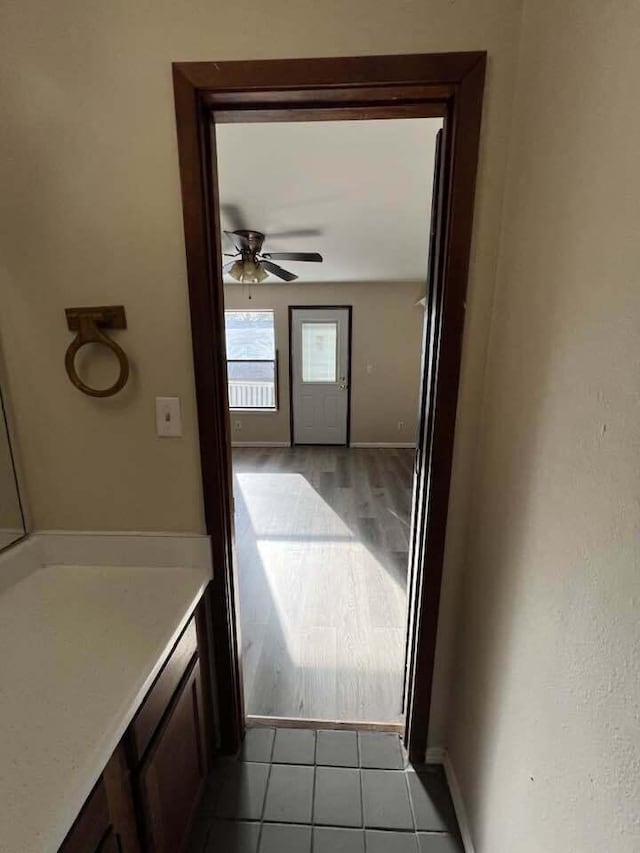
(168, 417)
(400, 426)
(237, 425)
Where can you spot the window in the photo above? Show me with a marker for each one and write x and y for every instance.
(319, 352)
(252, 360)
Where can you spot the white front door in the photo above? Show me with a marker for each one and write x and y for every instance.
(320, 375)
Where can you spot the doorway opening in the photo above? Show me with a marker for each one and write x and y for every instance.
(208, 97)
(324, 374)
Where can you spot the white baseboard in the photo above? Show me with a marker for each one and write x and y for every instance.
(383, 444)
(388, 444)
(458, 804)
(435, 755)
(260, 444)
(439, 755)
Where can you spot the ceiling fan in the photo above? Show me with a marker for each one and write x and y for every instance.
(251, 265)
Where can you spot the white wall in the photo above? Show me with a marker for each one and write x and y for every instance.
(545, 737)
(386, 335)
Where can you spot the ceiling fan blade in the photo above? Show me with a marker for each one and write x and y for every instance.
(294, 256)
(285, 275)
(233, 216)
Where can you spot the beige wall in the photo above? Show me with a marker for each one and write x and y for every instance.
(386, 334)
(12, 504)
(546, 733)
(10, 517)
(90, 213)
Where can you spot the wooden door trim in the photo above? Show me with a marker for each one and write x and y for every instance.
(448, 84)
(349, 310)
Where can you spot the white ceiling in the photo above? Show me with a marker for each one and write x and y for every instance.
(363, 186)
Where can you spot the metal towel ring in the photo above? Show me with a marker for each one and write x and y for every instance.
(87, 322)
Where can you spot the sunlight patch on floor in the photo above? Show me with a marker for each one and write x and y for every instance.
(319, 575)
(281, 504)
(321, 567)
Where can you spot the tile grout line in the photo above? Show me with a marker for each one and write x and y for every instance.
(266, 788)
(313, 789)
(312, 821)
(364, 834)
(411, 808)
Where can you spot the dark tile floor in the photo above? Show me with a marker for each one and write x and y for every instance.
(301, 791)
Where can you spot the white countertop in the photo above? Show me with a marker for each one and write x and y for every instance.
(79, 648)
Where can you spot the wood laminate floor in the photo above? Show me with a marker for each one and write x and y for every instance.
(322, 541)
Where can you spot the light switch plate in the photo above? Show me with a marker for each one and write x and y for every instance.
(168, 417)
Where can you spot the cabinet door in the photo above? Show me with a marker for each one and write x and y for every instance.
(92, 824)
(172, 776)
(152, 710)
(110, 843)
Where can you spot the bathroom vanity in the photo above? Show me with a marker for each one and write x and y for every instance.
(106, 711)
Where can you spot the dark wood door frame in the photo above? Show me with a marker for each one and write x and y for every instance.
(449, 85)
(419, 492)
(349, 309)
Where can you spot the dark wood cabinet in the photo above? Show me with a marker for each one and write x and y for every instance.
(172, 775)
(107, 822)
(150, 789)
(157, 700)
(92, 824)
(111, 843)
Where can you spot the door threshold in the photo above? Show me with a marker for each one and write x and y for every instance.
(255, 721)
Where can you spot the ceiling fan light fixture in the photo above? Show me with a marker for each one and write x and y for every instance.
(254, 265)
(248, 272)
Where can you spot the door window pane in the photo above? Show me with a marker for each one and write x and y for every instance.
(319, 352)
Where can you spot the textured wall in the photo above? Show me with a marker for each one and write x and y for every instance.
(546, 733)
(387, 334)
